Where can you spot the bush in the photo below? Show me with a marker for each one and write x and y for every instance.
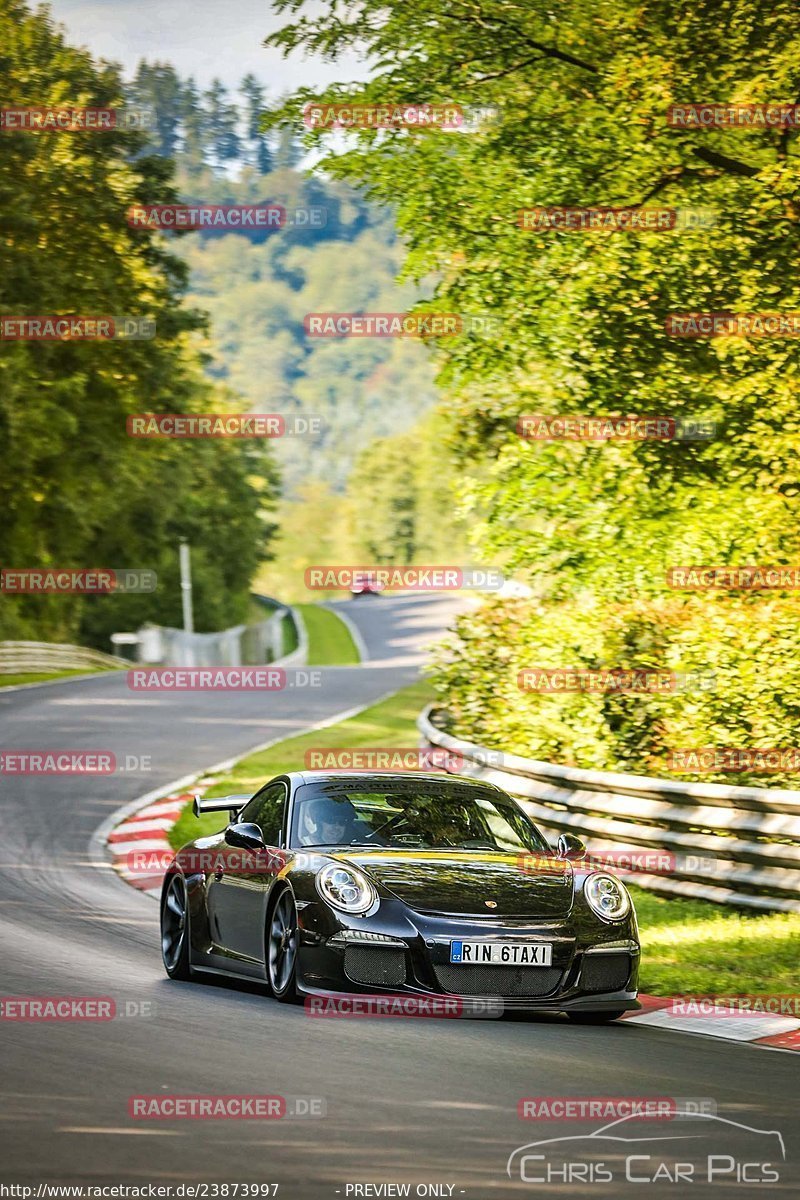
(742, 651)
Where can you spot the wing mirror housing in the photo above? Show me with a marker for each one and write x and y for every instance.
(569, 846)
(245, 835)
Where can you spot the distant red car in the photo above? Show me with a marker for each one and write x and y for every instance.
(366, 584)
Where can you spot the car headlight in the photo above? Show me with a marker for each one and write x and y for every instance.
(607, 897)
(345, 888)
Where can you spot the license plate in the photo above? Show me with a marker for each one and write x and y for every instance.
(502, 954)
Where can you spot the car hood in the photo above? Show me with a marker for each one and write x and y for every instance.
(461, 883)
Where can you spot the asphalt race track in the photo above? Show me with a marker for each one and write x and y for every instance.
(428, 1102)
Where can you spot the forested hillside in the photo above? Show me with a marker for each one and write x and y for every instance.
(376, 483)
(257, 286)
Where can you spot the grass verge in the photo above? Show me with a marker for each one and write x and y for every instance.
(688, 946)
(694, 946)
(330, 642)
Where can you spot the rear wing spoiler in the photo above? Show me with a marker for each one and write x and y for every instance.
(231, 804)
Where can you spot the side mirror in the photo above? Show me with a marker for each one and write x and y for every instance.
(245, 835)
(569, 846)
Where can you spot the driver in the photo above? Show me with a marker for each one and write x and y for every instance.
(443, 827)
(327, 822)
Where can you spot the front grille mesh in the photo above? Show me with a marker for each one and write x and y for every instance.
(379, 966)
(605, 972)
(476, 980)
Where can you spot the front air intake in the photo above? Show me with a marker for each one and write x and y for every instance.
(605, 972)
(478, 980)
(376, 966)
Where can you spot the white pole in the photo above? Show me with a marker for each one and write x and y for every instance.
(186, 586)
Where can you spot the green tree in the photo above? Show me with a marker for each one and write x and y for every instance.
(157, 86)
(581, 96)
(222, 119)
(402, 492)
(289, 150)
(75, 490)
(195, 148)
(257, 146)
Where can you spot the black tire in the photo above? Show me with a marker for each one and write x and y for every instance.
(281, 944)
(175, 927)
(596, 1018)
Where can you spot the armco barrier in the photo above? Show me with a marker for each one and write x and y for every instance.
(22, 658)
(261, 642)
(734, 845)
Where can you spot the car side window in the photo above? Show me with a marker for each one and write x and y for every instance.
(266, 809)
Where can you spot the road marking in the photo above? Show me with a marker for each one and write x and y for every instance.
(736, 1028)
(121, 850)
(100, 702)
(114, 920)
(117, 1131)
(143, 826)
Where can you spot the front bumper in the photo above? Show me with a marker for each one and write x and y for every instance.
(400, 952)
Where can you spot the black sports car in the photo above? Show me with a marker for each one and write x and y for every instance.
(401, 883)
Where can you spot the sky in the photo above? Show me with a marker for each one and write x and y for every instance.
(203, 38)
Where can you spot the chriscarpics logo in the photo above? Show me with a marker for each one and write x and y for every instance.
(694, 1150)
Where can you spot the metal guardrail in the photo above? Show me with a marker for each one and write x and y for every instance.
(295, 640)
(240, 645)
(22, 658)
(733, 845)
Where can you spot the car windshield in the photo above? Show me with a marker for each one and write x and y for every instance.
(410, 814)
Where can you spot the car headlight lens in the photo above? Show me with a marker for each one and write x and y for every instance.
(345, 888)
(607, 897)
